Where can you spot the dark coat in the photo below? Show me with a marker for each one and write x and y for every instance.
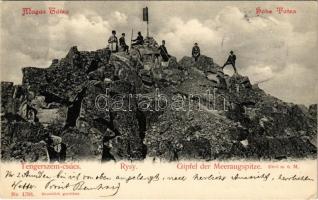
(139, 40)
(231, 59)
(164, 53)
(122, 42)
(195, 51)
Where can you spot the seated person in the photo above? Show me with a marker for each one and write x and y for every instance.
(122, 43)
(139, 40)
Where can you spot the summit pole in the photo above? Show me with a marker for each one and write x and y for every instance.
(148, 29)
(146, 18)
(131, 38)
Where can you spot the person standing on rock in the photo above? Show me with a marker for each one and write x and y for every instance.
(113, 42)
(56, 148)
(231, 61)
(196, 52)
(122, 43)
(163, 52)
(139, 40)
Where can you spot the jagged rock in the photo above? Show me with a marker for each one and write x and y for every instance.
(147, 79)
(33, 78)
(11, 97)
(82, 146)
(48, 113)
(103, 73)
(94, 111)
(217, 77)
(263, 147)
(120, 116)
(225, 117)
(126, 122)
(203, 63)
(25, 131)
(54, 116)
(213, 77)
(7, 90)
(63, 81)
(173, 63)
(313, 110)
(238, 82)
(20, 140)
(170, 76)
(283, 116)
(27, 152)
(150, 41)
(127, 70)
(54, 62)
(186, 135)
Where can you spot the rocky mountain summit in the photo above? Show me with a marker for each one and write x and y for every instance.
(106, 106)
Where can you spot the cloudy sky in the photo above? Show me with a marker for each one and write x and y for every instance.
(277, 51)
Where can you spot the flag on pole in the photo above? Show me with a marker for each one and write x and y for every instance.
(145, 14)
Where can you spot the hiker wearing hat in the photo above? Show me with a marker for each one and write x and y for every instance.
(113, 42)
(231, 61)
(139, 40)
(196, 51)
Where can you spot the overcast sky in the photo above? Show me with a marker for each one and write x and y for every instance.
(280, 51)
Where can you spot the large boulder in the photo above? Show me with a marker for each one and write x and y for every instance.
(11, 97)
(204, 63)
(26, 151)
(65, 79)
(22, 140)
(190, 135)
(7, 90)
(112, 108)
(81, 145)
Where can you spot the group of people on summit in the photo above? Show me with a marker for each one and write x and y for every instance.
(113, 42)
(114, 47)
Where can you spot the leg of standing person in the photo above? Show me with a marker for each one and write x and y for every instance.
(233, 64)
(127, 48)
(226, 63)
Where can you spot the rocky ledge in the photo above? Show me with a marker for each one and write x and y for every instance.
(113, 106)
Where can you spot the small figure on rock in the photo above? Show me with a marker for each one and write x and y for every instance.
(113, 42)
(231, 61)
(107, 146)
(56, 148)
(122, 43)
(31, 114)
(27, 110)
(139, 40)
(163, 52)
(196, 52)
